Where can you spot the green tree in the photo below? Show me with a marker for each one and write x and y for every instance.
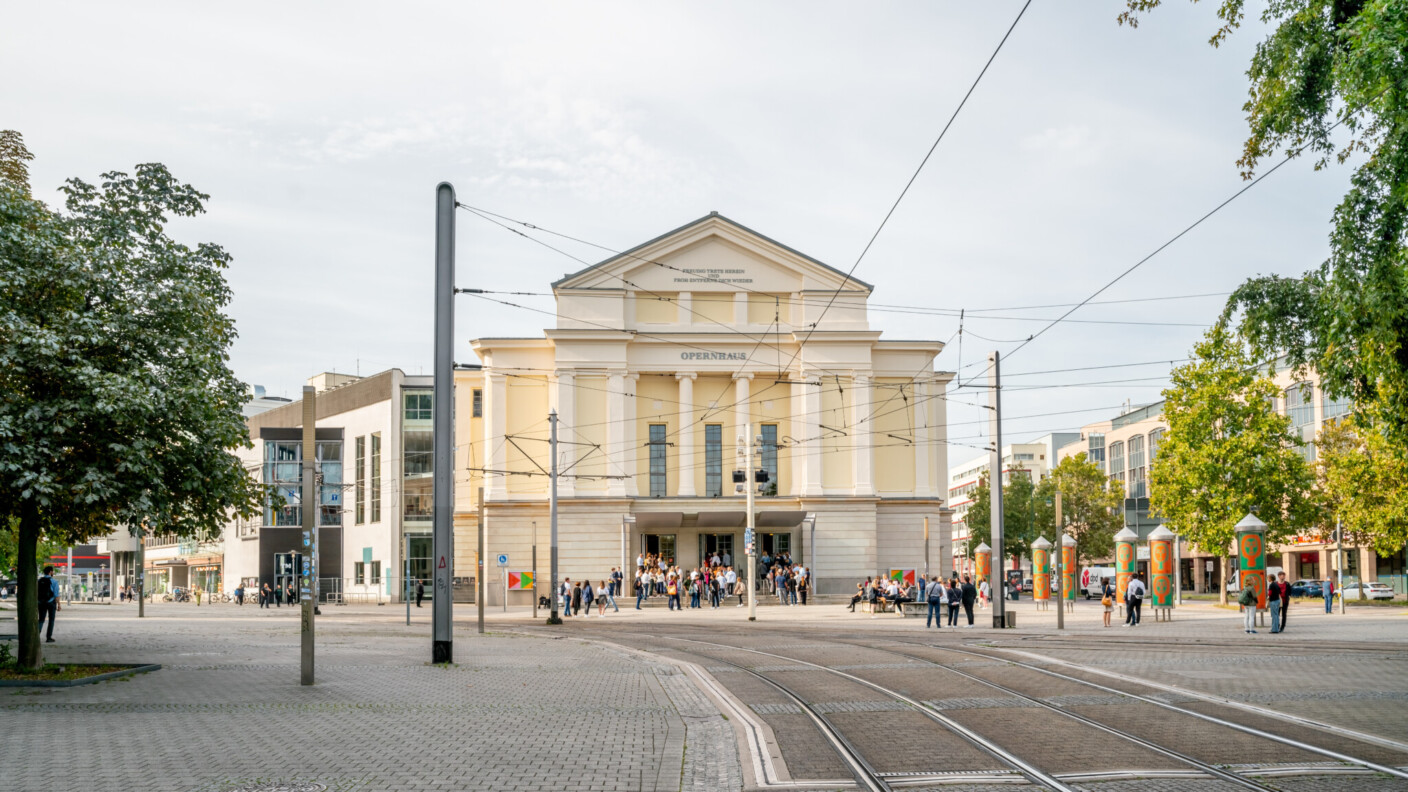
(1363, 481)
(1024, 516)
(14, 160)
(117, 406)
(1327, 63)
(1092, 508)
(1228, 453)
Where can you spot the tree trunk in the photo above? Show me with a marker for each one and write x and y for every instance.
(27, 595)
(1222, 589)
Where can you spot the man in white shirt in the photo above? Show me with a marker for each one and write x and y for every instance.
(1134, 598)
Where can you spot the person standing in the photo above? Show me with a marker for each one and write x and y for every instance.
(935, 595)
(955, 598)
(802, 586)
(672, 590)
(1134, 598)
(565, 594)
(1329, 595)
(265, 595)
(1107, 599)
(1273, 604)
(1285, 600)
(642, 587)
(577, 598)
(618, 580)
(588, 595)
(290, 596)
(603, 596)
(420, 591)
(1247, 599)
(49, 605)
(970, 596)
(984, 593)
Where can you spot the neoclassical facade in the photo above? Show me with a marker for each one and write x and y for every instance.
(661, 357)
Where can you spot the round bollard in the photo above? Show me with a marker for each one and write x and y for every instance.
(1125, 563)
(1161, 571)
(982, 559)
(1068, 567)
(1041, 571)
(1251, 556)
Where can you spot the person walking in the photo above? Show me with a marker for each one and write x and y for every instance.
(1329, 589)
(197, 593)
(955, 598)
(290, 596)
(1247, 599)
(1134, 598)
(970, 595)
(602, 597)
(420, 591)
(935, 596)
(642, 587)
(49, 605)
(265, 595)
(1285, 600)
(984, 593)
(1273, 604)
(588, 595)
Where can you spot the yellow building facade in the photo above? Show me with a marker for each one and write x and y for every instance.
(660, 360)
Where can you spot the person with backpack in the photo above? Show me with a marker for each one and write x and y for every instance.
(49, 606)
(936, 601)
(1247, 599)
(1273, 604)
(954, 595)
(1134, 598)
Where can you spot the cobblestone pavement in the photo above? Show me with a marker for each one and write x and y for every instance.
(227, 712)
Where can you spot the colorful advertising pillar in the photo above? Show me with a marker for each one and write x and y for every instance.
(1068, 567)
(982, 557)
(1125, 563)
(1251, 556)
(1161, 567)
(1041, 570)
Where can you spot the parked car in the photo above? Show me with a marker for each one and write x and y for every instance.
(1373, 591)
(1308, 588)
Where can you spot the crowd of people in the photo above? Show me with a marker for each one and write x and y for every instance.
(953, 594)
(711, 584)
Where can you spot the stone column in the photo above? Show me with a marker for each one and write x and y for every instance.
(567, 420)
(496, 407)
(919, 401)
(864, 452)
(617, 450)
(629, 438)
(811, 447)
(684, 465)
(742, 385)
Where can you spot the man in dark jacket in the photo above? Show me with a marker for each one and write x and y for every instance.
(420, 591)
(48, 601)
(1285, 599)
(970, 596)
(1273, 604)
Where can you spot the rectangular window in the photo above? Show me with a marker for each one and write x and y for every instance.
(1136, 467)
(713, 460)
(329, 466)
(1155, 438)
(1300, 408)
(418, 406)
(359, 573)
(361, 479)
(769, 458)
(376, 573)
(1096, 449)
(1117, 462)
(376, 477)
(418, 447)
(478, 403)
(658, 450)
(283, 464)
(1333, 408)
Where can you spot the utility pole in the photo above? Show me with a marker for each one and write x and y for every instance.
(142, 571)
(406, 575)
(999, 603)
(480, 568)
(535, 569)
(1059, 567)
(553, 617)
(750, 537)
(1339, 555)
(310, 530)
(442, 426)
(926, 549)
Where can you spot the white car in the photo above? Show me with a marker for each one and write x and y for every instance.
(1372, 591)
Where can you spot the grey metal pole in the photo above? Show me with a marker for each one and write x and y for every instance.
(142, 571)
(406, 575)
(553, 617)
(535, 569)
(748, 487)
(1178, 570)
(999, 609)
(1339, 554)
(442, 645)
(1060, 570)
(310, 531)
(69, 574)
(926, 548)
(480, 568)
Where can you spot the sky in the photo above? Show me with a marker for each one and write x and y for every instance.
(320, 132)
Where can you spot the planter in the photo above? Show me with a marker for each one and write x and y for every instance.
(88, 680)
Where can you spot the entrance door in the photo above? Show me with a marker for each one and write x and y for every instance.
(775, 543)
(422, 548)
(659, 545)
(286, 566)
(720, 543)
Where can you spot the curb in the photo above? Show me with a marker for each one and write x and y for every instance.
(58, 683)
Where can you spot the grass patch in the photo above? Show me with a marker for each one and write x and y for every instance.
(54, 672)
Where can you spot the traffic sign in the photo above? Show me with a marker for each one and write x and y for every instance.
(503, 559)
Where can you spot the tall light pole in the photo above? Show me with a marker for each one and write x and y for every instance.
(999, 603)
(442, 427)
(553, 618)
(1060, 568)
(745, 450)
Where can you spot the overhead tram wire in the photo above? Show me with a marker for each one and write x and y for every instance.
(910, 183)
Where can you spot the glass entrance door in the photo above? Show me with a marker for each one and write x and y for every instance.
(418, 566)
(286, 566)
(660, 546)
(709, 544)
(775, 544)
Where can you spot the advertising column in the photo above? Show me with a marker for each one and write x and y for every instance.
(1251, 557)
(1161, 571)
(1124, 562)
(1041, 572)
(1068, 567)
(982, 562)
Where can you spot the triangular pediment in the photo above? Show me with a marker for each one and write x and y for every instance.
(712, 253)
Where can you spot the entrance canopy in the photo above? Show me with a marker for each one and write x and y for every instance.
(770, 518)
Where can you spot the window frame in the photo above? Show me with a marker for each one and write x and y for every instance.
(659, 455)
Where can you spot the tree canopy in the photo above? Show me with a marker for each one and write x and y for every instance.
(117, 406)
(1328, 64)
(1363, 481)
(1025, 517)
(1227, 452)
(1092, 509)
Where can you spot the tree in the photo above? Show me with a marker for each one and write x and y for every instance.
(1363, 482)
(1023, 515)
(1092, 508)
(117, 406)
(1228, 453)
(1327, 63)
(14, 160)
